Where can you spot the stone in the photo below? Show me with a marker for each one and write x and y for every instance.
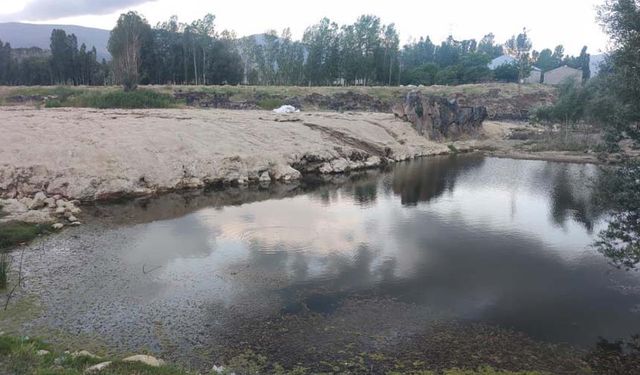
(60, 211)
(37, 202)
(325, 168)
(372, 161)
(217, 369)
(340, 165)
(84, 353)
(285, 173)
(42, 352)
(97, 368)
(50, 202)
(72, 219)
(264, 177)
(57, 226)
(146, 359)
(60, 203)
(76, 223)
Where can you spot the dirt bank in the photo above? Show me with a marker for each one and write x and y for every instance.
(103, 154)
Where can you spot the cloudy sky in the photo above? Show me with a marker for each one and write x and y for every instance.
(550, 22)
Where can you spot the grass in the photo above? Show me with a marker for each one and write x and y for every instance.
(116, 99)
(270, 103)
(5, 266)
(13, 233)
(19, 355)
(266, 96)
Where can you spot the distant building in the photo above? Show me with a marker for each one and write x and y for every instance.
(559, 75)
(535, 76)
(501, 60)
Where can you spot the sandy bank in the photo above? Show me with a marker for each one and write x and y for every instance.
(91, 154)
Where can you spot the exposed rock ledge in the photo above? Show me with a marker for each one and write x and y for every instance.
(90, 155)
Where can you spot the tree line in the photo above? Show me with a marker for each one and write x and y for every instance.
(366, 52)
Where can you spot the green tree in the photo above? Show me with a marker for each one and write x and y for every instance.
(489, 47)
(125, 45)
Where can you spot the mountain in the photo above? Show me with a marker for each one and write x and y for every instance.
(25, 35)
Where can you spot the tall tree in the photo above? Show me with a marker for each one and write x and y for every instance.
(125, 44)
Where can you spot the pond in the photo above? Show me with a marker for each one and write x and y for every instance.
(463, 249)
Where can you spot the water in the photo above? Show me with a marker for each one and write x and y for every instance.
(467, 239)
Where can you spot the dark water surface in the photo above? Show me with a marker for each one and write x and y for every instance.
(468, 239)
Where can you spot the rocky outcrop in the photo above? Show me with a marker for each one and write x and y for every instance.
(437, 118)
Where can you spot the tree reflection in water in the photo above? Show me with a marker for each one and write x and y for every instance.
(619, 191)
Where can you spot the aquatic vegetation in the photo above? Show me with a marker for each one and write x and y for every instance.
(5, 266)
(15, 232)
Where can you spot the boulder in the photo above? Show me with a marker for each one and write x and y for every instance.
(146, 359)
(97, 368)
(264, 177)
(83, 353)
(436, 117)
(57, 226)
(284, 173)
(50, 202)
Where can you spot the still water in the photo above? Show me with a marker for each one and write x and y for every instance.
(468, 238)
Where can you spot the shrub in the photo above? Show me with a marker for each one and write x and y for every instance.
(128, 100)
(15, 232)
(270, 103)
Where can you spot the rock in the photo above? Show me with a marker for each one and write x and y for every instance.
(264, 177)
(325, 168)
(60, 211)
(340, 165)
(27, 202)
(146, 359)
(57, 226)
(217, 369)
(50, 202)
(42, 352)
(285, 173)
(372, 161)
(72, 219)
(38, 201)
(76, 223)
(83, 353)
(96, 368)
(60, 203)
(436, 117)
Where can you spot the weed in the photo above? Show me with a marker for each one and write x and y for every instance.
(16, 232)
(5, 266)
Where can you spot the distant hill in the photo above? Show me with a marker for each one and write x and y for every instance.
(26, 35)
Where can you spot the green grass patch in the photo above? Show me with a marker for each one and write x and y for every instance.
(13, 233)
(20, 356)
(117, 99)
(270, 103)
(453, 149)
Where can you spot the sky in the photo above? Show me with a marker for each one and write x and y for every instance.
(571, 23)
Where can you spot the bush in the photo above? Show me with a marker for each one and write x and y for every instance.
(15, 232)
(507, 73)
(270, 103)
(128, 100)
